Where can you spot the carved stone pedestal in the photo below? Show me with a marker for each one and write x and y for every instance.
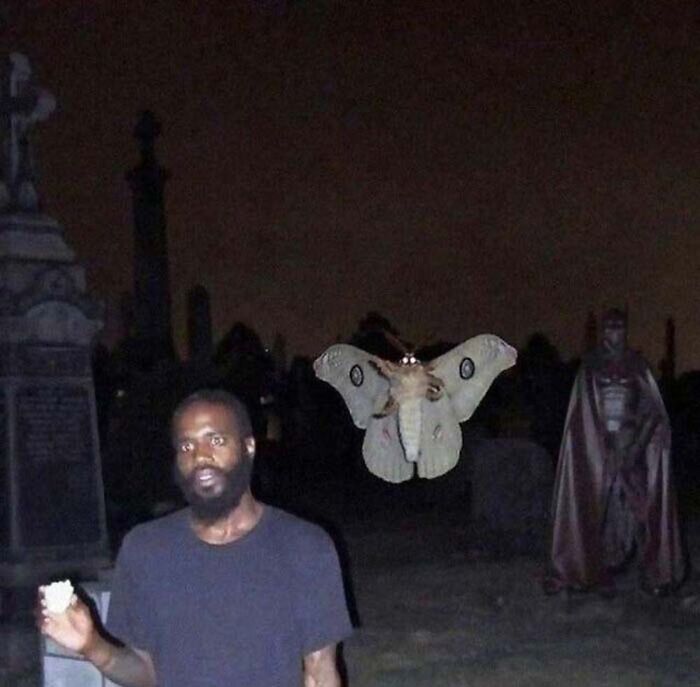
(52, 516)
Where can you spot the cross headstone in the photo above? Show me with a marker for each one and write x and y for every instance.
(22, 104)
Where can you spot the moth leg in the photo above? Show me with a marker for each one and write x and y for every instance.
(391, 406)
(436, 388)
(384, 367)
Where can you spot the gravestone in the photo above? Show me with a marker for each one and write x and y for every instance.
(511, 492)
(52, 515)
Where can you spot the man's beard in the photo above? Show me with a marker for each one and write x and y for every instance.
(209, 508)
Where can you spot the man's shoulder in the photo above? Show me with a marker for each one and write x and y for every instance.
(157, 531)
(295, 531)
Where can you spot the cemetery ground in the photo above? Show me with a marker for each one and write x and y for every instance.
(434, 611)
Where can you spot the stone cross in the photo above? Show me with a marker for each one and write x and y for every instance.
(22, 104)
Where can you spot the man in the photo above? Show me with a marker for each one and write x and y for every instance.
(227, 592)
(613, 495)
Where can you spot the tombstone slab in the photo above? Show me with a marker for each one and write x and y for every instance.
(511, 488)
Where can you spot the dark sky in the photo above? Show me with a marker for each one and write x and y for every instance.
(458, 166)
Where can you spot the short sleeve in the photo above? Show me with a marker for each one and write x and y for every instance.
(321, 602)
(127, 618)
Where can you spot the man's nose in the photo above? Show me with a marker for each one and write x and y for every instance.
(203, 452)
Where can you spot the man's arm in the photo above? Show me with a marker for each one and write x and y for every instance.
(321, 668)
(122, 664)
(76, 630)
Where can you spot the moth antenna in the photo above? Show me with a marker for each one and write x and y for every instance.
(396, 342)
(425, 341)
(430, 338)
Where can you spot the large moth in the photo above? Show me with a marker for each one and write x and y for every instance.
(411, 411)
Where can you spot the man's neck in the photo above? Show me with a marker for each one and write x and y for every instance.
(241, 520)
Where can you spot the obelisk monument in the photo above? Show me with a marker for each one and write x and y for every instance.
(52, 513)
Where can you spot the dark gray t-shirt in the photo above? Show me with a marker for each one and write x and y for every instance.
(237, 615)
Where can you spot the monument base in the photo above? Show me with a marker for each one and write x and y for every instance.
(20, 649)
(31, 572)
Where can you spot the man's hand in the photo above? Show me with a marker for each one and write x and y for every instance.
(73, 629)
(321, 668)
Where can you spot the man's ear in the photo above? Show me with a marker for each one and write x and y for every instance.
(249, 443)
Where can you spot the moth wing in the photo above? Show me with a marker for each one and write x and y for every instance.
(383, 452)
(351, 372)
(468, 370)
(441, 438)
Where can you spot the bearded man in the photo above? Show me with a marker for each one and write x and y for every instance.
(614, 498)
(228, 591)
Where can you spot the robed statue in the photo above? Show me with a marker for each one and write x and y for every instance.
(614, 498)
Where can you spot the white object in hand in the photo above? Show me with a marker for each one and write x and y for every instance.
(58, 595)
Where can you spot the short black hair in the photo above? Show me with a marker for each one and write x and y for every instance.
(217, 397)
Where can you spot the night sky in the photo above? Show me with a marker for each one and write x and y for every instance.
(459, 167)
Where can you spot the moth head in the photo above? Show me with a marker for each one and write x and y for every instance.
(409, 359)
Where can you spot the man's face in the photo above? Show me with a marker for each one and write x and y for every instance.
(615, 335)
(213, 463)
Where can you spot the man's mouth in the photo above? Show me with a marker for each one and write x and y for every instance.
(207, 477)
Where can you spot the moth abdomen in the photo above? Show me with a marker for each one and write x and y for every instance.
(410, 418)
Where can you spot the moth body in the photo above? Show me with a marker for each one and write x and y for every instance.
(410, 418)
(409, 383)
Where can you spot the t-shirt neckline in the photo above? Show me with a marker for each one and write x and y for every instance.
(248, 536)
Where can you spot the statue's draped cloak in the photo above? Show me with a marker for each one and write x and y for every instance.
(583, 484)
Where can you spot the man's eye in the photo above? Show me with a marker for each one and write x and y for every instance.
(185, 447)
(217, 440)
